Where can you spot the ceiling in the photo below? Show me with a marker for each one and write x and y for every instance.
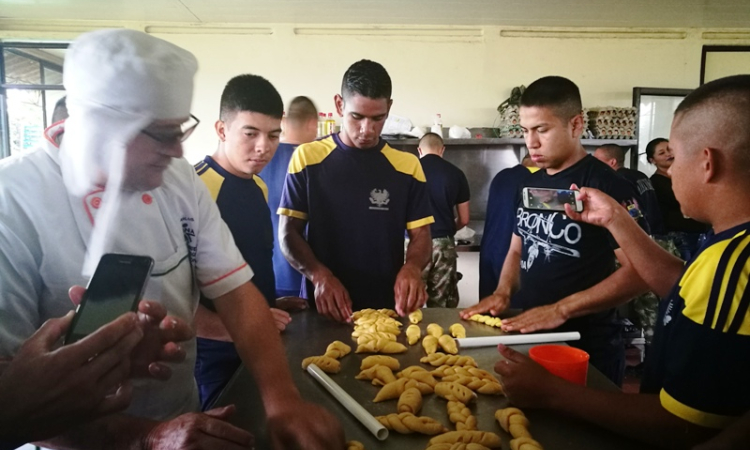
(540, 13)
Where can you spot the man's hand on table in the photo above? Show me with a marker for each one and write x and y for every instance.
(331, 298)
(541, 318)
(526, 383)
(304, 426)
(495, 304)
(161, 335)
(409, 290)
(200, 431)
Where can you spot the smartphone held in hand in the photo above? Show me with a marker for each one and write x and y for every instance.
(547, 199)
(115, 289)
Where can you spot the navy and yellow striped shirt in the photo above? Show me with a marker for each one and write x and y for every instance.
(701, 359)
(357, 204)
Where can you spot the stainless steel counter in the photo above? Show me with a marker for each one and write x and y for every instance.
(309, 334)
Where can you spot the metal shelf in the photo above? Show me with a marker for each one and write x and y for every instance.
(513, 141)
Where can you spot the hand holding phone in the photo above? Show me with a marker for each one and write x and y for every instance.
(546, 199)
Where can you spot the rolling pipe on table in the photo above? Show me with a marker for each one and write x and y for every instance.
(517, 339)
(375, 427)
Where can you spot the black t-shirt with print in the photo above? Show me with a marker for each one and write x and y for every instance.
(561, 257)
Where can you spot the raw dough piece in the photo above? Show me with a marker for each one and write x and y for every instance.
(407, 423)
(380, 375)
(457, 331)
(326, 364)
(513, 421)
(438, 359)
(415, 317)
(410, 401)
(485, 438)
(448, 344)
(430, 344)
(413, 333)
(454, 391)
(381, 346)
(434, 330)
(460, 414)
(337, 350)
(388, 361)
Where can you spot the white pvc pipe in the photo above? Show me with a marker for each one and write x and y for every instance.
(517, 339)
(367, 419)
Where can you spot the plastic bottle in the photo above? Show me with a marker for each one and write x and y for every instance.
(321, 124)
(437, 126)
(330, 124)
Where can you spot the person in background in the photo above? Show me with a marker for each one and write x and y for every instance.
(561, 272)
(449, 192)
(695, 382)
(613, 155)
(682, 230)
(129, 97)
(248, 130)
(499, 222)
(355, 195)
(300, 125)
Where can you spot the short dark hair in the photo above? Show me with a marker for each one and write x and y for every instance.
(250, 93)
(557, 93)
(301, 110)
(368, 79)
(614, 151)
(651, 147)
(61, 110)
(727, 88)
(432, 140)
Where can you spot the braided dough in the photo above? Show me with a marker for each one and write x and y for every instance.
(359, 330)
(337, 350)
(459, 414)
(388, 361)
(434, 329)
(380, 375)
(381, 346)
(485, 438)
(487, 320)
(448, 344)
(374, 336)
(419, 374)
(449, 371)
(430, 344)
(326, 364)
(410, 401)
(415, 317)
(439, 359)
(394, 389)
(454, 391)
(513, 421)
(407, 423)
(369, 311)
(457, 331)
(525, 443)
(476, 384)
(354, 445)
(413, 333)
(457, 446)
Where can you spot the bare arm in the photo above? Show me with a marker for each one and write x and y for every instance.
(462, 215)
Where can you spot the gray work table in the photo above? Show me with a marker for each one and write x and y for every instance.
(309, 334)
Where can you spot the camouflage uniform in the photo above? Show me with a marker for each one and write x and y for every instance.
(440, 275)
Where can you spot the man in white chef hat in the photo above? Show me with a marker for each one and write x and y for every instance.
(119, 184)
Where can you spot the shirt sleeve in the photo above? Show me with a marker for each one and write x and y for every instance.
(624, 193)
(464, 194)
(419, 210)
(294, 195)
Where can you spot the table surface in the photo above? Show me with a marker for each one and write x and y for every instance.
(309, 334)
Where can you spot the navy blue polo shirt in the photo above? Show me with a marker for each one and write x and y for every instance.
(447, 187)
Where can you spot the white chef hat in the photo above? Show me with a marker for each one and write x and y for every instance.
(117, 83)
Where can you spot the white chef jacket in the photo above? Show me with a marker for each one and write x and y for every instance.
(43, 236)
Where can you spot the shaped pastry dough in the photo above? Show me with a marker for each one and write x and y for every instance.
(413, 333)
(525, 443)
(430, 344)
(434, 329)
(487, 320)
(415, 317)
(419, 374)
(375, 327)
(374, 336)
(454, 391)
(381, 346)
(355, 445)
(380, 375)
(460, 414)
(326, 364)
(337, 350)
(446, 371)
(485, 438)
(379, 312)
(394, 389)
(406, 373)
(439, 359)
(410, 401)
(407, 423)
(457, 446)
(457, 331)
(448, 344)
(513, 421)
(476, 384)
(388, 361)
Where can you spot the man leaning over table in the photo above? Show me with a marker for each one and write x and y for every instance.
(695, 380)
(121, 165)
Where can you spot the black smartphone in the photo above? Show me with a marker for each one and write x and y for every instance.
(551, 199)
(116, 288)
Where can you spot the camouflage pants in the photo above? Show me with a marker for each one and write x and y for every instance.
(440, 275)
(644, 309)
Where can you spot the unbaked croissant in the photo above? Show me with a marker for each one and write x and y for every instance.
(438, 359)
(460, 414)
(410, 401)
(374, 336)
(381, 346)
(413, 333)
(394, 389)
(454, 391)
(485, 438)
(415, 317)
(378, 312)
(513, 421)
(419, 374)
(487, 320)
(448, 344)
(457, 331)
(337, 350)
(380, 375)
(434, 329)
(388, 361)
(355, 445)
(525, 443)
(430, 344)
(457, 446)
(476, 384)
(406, 373)
(407, 423)
(326, 364)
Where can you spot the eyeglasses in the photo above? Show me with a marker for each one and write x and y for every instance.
(186, 129)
